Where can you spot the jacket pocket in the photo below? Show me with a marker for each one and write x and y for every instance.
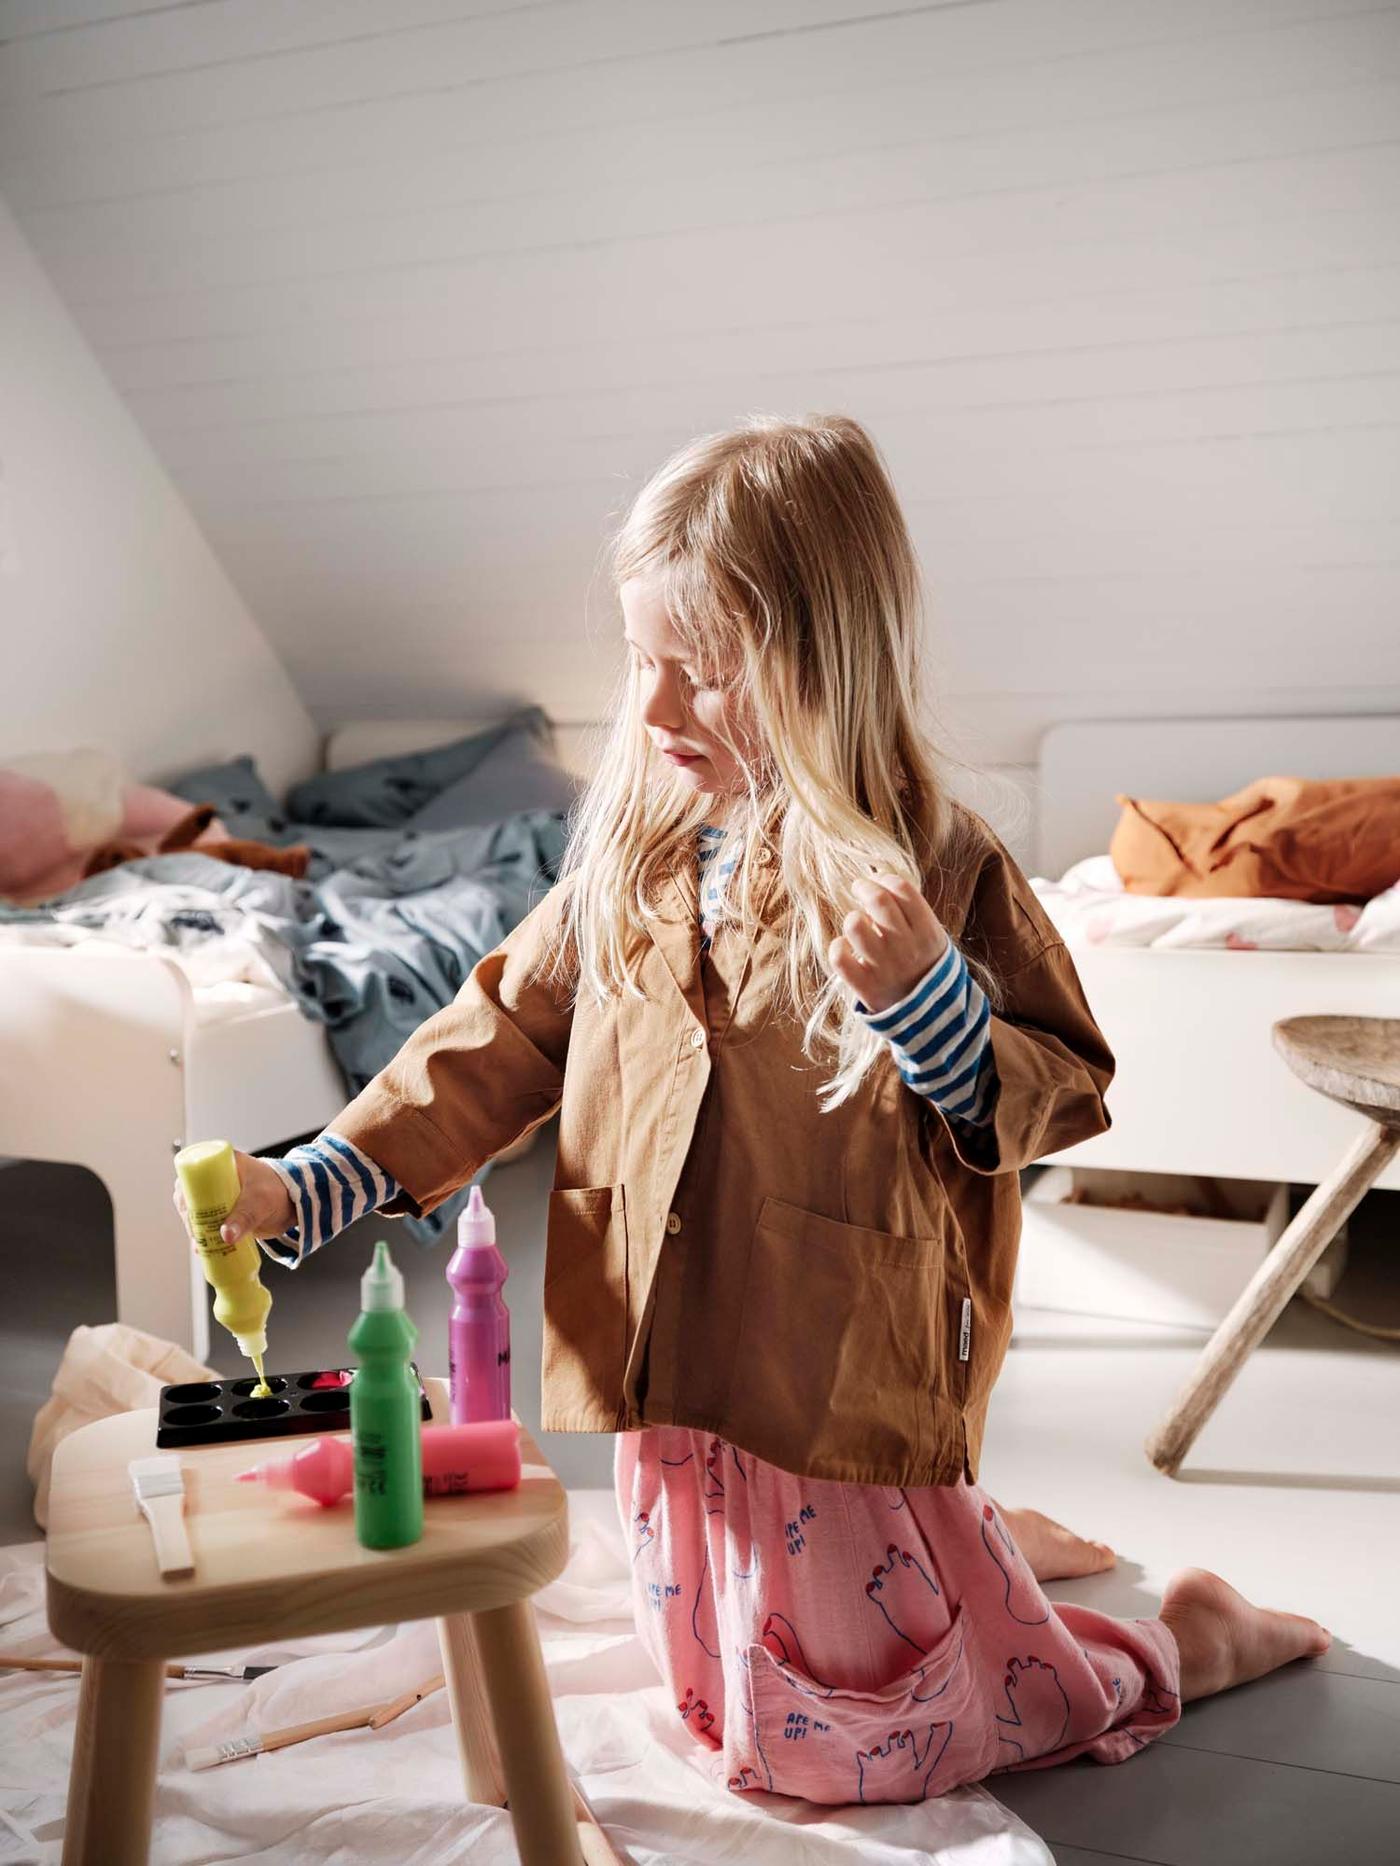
(585, 1302)
(923, 1733)
(838, 1342)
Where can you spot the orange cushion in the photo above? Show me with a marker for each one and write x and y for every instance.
(1288, 838)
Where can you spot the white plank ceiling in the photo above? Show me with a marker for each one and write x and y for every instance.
(409, 295)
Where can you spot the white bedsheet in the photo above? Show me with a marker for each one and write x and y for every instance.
(395, 1796)
(229, 977)
(1090, 907)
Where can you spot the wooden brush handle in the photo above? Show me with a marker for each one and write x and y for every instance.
(321, 1726)
(18, 1664)
(397, 1706)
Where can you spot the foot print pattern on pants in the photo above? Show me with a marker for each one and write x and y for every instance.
(900, 1587)
(704, 1619)
(780, 1637)
(696, 1713)
(1035, 1700)
(642, 1532)
(1024, 1600)
(717, 1456)
(899, 1770)
(826, 1652)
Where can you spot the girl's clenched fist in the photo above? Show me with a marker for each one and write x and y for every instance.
(888, 943)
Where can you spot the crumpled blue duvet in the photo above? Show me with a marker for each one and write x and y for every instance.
(371, 949)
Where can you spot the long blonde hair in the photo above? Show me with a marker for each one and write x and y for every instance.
(783, 558)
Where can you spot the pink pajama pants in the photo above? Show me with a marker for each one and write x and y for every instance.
(849, 1643)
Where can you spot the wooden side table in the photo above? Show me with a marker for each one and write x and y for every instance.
(1353, 1060)
(264, 1571)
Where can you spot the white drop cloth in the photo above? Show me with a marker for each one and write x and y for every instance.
(395, 1795)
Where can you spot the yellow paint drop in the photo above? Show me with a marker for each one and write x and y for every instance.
(262, 1390)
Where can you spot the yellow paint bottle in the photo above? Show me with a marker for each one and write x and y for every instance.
(209, 1175)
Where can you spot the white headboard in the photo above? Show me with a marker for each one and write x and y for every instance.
(1084, 764)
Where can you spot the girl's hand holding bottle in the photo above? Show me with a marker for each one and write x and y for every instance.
(264, 1208)
(887, 944)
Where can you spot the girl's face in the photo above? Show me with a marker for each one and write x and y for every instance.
(682, 714)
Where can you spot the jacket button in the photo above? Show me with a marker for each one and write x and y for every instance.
(673, 1223)
(697, 1039)
(764, 857)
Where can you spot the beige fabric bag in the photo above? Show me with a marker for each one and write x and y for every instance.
(104, 1370)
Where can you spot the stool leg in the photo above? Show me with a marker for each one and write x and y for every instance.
(541, 1805)
(111, 1784)
(1263, 1300)
(471, 1711)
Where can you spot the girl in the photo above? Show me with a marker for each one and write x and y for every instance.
(804, 1020)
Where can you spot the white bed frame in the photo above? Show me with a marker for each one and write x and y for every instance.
(104, 1064)
(1200, 1087)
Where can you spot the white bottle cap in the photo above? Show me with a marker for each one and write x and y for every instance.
(477, 1224)
(381, 1286)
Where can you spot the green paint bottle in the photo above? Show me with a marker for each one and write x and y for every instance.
(385, 1422)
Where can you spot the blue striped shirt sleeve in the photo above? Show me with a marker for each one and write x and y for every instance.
(331, 1183)
(940, 1036)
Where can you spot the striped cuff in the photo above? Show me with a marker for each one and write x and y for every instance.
(940, 1036)
(331, 1184)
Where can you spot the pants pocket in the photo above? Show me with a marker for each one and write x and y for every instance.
(920, 1735)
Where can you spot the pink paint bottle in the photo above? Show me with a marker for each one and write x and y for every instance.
(479, 1331)
(456, 1459)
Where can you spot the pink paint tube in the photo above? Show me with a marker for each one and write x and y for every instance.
(479, 1331)
(456, 1459)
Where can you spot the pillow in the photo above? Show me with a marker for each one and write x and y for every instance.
(390, 791)
(54, 806)
(518, 773)
(245, 806)
(1285, 838)
(64, 815)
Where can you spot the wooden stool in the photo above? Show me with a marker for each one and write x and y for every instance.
(1353, 1060)
(264, 1570)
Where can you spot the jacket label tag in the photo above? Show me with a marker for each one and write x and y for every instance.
(965, 1335)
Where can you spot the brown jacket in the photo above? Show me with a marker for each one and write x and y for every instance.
(722, 1254)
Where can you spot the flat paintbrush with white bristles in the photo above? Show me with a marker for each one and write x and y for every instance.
(159, 1484)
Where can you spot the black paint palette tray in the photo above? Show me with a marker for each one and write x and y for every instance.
(216, 1412)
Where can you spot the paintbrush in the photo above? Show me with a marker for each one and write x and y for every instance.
(14, 1662)
(159, 1484)
(372, 1716)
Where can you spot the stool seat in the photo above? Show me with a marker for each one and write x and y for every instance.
(1353, 1060)
(269, 1565)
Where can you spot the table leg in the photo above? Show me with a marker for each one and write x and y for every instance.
(111, 1783)
(541, 1805)
(471, 1711)
(1263, 1300)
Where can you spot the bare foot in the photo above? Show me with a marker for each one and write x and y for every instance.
(1224, 1640)
(1052, 1551)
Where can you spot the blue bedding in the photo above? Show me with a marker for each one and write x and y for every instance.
(383, 932)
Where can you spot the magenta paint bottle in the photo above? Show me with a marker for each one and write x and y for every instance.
(479, 1331)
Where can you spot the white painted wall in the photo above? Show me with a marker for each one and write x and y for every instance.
(118, 627)
(410, 294)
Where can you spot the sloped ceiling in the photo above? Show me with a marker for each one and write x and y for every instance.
(410, 294)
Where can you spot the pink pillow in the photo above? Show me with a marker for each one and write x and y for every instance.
(57, 807)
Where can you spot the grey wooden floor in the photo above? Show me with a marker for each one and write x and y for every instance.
(1292, 1493)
